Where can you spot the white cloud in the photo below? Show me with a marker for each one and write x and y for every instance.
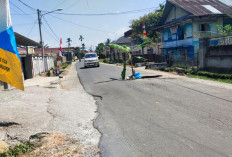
(119, 33)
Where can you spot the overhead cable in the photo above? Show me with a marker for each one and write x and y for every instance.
(83, 26)
(50, 28)
(32, 28)
(112, 13)
(27, 5)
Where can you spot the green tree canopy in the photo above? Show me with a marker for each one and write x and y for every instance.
(69, 41)
(83, 46)
(151, 21)
(100, 48)
(107, 42)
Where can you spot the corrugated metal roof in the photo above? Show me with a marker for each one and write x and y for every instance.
(196, 7)
(122, 40)
(24, 41)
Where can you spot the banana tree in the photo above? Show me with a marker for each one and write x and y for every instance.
(127, 50)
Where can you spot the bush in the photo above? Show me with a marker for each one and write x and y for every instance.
(210, 74)
(138, 60)
(106, 60)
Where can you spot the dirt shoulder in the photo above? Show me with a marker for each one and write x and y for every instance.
(50, 105)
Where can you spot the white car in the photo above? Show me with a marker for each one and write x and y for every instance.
(91, 60)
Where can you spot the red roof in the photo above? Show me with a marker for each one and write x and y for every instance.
(47, 50)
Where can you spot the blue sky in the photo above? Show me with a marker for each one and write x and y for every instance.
(95, 29)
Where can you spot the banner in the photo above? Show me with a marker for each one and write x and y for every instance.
(10, 67)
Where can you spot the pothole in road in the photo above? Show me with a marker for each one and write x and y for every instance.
(97, 97)
(8, 124)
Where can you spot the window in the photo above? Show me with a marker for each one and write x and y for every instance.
(205, 27)
(92, 55)
(180, 33)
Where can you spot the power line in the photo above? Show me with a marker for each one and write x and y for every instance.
(23, 24)
(24, 14)
(51, 28)
(51, 35)
(83, 26)
(112, 13)
(59, 4)
(32, 28)
(18, 8)
(27, 5)
(72, 5)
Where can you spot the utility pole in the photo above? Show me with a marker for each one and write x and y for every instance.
(40, 32)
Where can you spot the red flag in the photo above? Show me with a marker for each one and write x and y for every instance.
(60, 41)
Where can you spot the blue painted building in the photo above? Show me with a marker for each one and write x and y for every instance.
(185, 21)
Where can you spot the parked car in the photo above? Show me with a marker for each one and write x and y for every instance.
(91, 60)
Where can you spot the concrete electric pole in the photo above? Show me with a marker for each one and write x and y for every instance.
(40, 32)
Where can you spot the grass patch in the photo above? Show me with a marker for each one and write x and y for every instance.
(212, 79)
(101, 60)
(106, 60)
(19, 150)
(64, 65)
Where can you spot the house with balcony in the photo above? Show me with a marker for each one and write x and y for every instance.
(184, 22)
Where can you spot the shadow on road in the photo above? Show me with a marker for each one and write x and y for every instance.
(111, 79)
(146, 77)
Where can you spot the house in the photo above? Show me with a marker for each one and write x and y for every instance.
(118, 55)
(184, 22)
(151, 52)
(26, 52)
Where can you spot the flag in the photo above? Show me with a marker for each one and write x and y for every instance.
(144, 30)
(60, 49)
(60, 41)
(10, 67)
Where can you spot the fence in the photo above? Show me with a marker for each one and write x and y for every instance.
(38, 66)
(182, 59)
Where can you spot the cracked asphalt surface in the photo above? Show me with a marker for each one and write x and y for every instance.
(160, 117)
(49, 105)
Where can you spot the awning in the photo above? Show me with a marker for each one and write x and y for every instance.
(24, 41)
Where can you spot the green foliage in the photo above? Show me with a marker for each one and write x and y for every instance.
(226, 30)
(106, 60)
(69, 41)
(83, 46)
(81, 38)
(18, 150)
(210, 74)
(172, 68)
(212, 79)
(136, 59)
(100, 48)
(64, 65)
(79, 54)
(107, 42)
(123, 74)
(151, 20)
(48, 73)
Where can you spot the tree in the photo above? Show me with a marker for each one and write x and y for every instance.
(69, 41)
(100, 48)
(151, 21)
(81, 38)
(83, 46)
(107, 42)
(46, 46)
(226, 30)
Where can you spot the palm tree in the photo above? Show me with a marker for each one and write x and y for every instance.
(83, 46)
(81, 38)
(107, 42)
(69, 42)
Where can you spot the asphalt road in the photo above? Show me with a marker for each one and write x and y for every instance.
(159, 117)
